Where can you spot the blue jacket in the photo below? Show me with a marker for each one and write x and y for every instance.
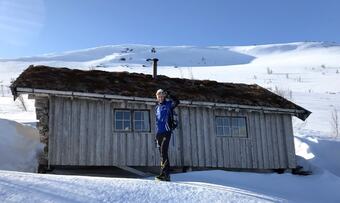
(163, 112)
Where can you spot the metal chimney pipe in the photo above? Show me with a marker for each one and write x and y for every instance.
(154, 66)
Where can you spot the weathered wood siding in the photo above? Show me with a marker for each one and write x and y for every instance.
(82, 133)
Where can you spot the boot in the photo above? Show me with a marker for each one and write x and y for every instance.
(163, 177)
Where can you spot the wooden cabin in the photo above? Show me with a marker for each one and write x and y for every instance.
(98, 118)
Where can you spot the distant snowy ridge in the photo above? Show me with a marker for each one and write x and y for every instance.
(176, 55)
(260, 50)
(137, 54)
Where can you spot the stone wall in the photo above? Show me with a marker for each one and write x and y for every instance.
(42, 111)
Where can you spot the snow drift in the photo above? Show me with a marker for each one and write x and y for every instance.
(318, 154)
(19, 146)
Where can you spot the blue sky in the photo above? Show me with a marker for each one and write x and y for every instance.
(44, 26)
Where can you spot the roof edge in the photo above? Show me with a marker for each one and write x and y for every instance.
(302, 114)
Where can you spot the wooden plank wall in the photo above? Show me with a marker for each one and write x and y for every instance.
(82, 133)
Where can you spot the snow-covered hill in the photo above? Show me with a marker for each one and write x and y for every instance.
(137, 54)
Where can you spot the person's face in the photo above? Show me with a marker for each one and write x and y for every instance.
(160, 98)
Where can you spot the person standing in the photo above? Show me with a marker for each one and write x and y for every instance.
(164, 126)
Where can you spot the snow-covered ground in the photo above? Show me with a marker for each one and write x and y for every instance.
(205, 186)
(202, 186)
(304, 72)
(51, 188)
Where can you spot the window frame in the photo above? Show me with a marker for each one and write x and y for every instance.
(231, 126)
(114, 121)
(132, 119)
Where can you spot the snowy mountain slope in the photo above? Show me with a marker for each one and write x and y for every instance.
(137, 54)
(178, 55)
(271, 49)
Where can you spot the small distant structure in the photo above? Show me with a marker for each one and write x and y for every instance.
(98, 118)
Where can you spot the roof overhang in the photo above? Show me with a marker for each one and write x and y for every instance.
(302, 114)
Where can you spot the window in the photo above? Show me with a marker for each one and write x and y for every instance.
(141, 121)
(128, 120)
(122, 120)
(231, 126)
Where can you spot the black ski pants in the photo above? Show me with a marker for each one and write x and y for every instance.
(163, 140)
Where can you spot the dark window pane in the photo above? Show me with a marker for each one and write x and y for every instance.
(226, 121)
(138, 115)
(119, 115)
(234, 121)
(126, 115)
(119, 125)
(138, 125)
